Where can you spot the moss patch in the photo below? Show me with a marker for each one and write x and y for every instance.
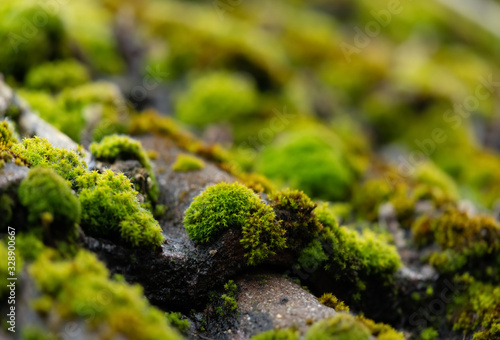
(223, 206)
(185, 163)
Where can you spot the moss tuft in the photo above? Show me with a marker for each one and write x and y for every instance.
(217, 96)
(340, 327)
(81, 288)
(116, 147)
(50, 202)
(278, 334)
(55, 76)
(38, 152)
(111, 209)
(330, 300)
(185, 163)
(176, 320)
(296, 214)
(7, 141)
(223, 206)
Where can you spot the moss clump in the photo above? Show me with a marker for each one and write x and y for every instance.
(223, 206)
(307, 161)
(38, 152)
(278, 334)
(111, 209)
(26, 40)
(214, 97)
(176, 320)
(429, 334)
(381, 331)
(226, 304)
(295, 211)
(7, 141)
(355, 264)
(72, 288)
(50, 203)
(340, 327)
(466, 243)
(257, 183)
(477, 309)
(116, 147)
(330, 300)
(185, 163)
(55, 76)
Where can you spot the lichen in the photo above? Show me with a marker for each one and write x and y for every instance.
(51, 204)
(80, 288)
(110, 208)
(185, 163)
(116, 147)
(223, 206)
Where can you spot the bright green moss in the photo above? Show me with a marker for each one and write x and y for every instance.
(294, 210)
(29, 245)
(27, 41)
(307, 161)
(80, 288)
(176, 320)
(55, 76)
(476, 310)
(227, 304)
(278, 334)
(36, 333)
(7, 141)
(429, 334)
(116, 147)
(50, 203)
(257, 182)
(330, 300)
(434, 183)
(339, 327)
(214, 97)
(111, 209)
(223, 206)
(185, 163)
(38, 152)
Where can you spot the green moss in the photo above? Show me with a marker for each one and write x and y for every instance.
(110, 111)
(29, 35)
(381, 331)
(29, 245)
(294, 210)
(38, 152)
(340, 327)
(477, 309)
(36, 333)
(185, 163)
(116, 147)
(176, 320)
(227, 304)
(223, 206)
(257, 182)
(330, 300)
(111, 209)
(278, 334)
(307, 161)
(433, 183)
(466, 243)
(7, 141)
(429, 334)
(80, 288)
(50, 203)
(214, 97)
(55, 76)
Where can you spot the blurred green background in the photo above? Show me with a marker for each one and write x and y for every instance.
(350, 101)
